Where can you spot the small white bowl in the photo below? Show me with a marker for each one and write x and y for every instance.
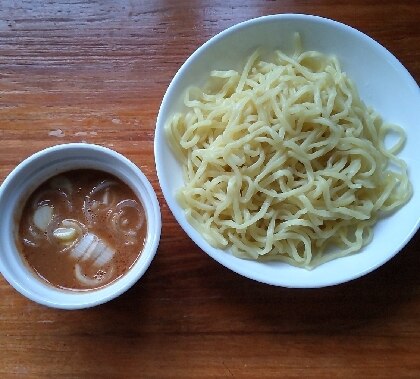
(382, 82)
(27, 176)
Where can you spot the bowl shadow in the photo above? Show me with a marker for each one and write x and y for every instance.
(370, 302)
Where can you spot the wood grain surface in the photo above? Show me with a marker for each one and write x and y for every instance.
(96, 71)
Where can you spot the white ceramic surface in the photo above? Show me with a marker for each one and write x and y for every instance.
(27, 176)
(382, 82)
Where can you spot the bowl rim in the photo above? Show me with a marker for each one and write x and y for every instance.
(158, 142)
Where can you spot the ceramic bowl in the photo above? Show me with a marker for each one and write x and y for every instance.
(383, 83)
(27, 176)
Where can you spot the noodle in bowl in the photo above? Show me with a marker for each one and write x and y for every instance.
(367, 64)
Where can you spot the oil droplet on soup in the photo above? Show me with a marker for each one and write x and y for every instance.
(82, 229)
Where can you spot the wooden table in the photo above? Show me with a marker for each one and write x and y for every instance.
(74, 71)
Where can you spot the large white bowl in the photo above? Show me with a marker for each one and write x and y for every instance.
(382, 82)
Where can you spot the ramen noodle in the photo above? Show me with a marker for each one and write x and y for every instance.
(283, 161)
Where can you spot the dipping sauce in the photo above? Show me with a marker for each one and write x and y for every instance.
(82, 229)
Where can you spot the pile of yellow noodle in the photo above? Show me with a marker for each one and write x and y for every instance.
(283, 161)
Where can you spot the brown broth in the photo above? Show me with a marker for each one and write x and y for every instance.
(105, 215)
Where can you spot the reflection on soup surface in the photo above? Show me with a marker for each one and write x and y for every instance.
(82, 229)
